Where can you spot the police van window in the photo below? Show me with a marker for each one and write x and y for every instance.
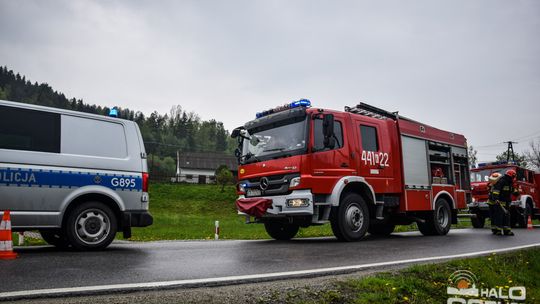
(92, 137)
(369, 138)
(29, 130)
(318, 136)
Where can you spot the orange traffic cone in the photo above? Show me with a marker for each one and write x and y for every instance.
(529, 223)
(6, 244)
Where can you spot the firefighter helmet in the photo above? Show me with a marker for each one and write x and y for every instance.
(494, 177)
(511, 173)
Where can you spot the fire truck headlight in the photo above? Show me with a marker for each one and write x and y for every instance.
(242, 187)
(297, 202)
(474, 199)
(295, 182)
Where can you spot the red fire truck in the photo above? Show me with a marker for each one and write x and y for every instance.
(523, 205)
(362, 170)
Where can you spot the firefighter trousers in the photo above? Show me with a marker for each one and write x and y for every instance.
(500, 217)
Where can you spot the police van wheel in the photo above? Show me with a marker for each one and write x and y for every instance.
(350, 220)
(281, 231)
(439, 221)
(91, 226)
(55, 237)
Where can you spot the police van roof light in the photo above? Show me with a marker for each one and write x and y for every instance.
(113, 112)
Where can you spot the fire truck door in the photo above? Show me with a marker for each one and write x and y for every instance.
(375, 157)
(328, 163)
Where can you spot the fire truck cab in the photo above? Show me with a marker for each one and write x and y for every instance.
(523, 205)
(362, 170)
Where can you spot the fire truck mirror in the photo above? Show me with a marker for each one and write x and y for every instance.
(328, 131)
(236, 132)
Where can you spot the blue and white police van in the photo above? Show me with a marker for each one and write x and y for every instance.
(76, 177)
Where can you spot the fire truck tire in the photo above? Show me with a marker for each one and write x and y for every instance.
(479, 221)
(350, 220)
(439, 221)
(55, 237)
(523, 217)
(91, 226)
(381, 229)
(281, 231)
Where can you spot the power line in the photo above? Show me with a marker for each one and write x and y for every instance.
(534, 135)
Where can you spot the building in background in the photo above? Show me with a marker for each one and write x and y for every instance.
(200, 167)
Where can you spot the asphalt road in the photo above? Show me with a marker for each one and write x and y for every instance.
(46, 267)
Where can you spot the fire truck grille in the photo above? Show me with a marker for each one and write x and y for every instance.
(268, 185)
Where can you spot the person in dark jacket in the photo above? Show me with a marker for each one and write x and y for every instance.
(500, 198)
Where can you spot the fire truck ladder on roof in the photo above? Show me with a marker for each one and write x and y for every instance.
(371, 111)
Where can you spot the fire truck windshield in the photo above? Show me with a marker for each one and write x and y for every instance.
(483, 176)
(268, 142)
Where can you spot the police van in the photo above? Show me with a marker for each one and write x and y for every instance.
(76, 177)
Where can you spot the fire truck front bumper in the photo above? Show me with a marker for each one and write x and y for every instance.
(484, 205)
(478, 205)
(299, 202)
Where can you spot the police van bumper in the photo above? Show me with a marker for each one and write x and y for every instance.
(138, 218)
(135, 219)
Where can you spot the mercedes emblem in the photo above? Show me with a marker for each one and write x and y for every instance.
(264, 183)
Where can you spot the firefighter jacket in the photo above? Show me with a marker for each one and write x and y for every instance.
(503, 190)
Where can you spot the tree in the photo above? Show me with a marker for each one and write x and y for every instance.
(520, 159)
(224, 176)
(472, 157)
(532, 156)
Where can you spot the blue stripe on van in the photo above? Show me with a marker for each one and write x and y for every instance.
(67, 179)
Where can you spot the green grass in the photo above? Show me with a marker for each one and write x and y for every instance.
(184, 211)
(425, 283)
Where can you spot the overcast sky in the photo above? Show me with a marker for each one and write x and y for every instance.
(472, 67)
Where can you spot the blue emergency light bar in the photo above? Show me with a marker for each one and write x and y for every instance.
(113, 112)
(295, 104)
(480, 165)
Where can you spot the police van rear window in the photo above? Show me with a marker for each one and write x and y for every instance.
(29, 130)
(93, 137)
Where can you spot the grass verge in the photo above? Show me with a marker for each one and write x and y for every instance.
(184, 211)
(426, 283)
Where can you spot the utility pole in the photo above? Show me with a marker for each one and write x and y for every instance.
(509, 150)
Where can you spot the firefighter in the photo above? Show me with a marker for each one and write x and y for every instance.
(493, 178)
(500, 198)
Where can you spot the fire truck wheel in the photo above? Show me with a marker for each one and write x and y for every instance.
(523, 217)
(479, 221)
(55, 237)
(350, 220)
(91, 226)
(281, 231)
(439, 221)
(381, 229)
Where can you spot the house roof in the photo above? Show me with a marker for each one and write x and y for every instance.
(207, 160)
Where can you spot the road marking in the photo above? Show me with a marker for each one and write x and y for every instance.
(233, 279)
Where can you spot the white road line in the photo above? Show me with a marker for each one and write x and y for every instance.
(236, 279)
